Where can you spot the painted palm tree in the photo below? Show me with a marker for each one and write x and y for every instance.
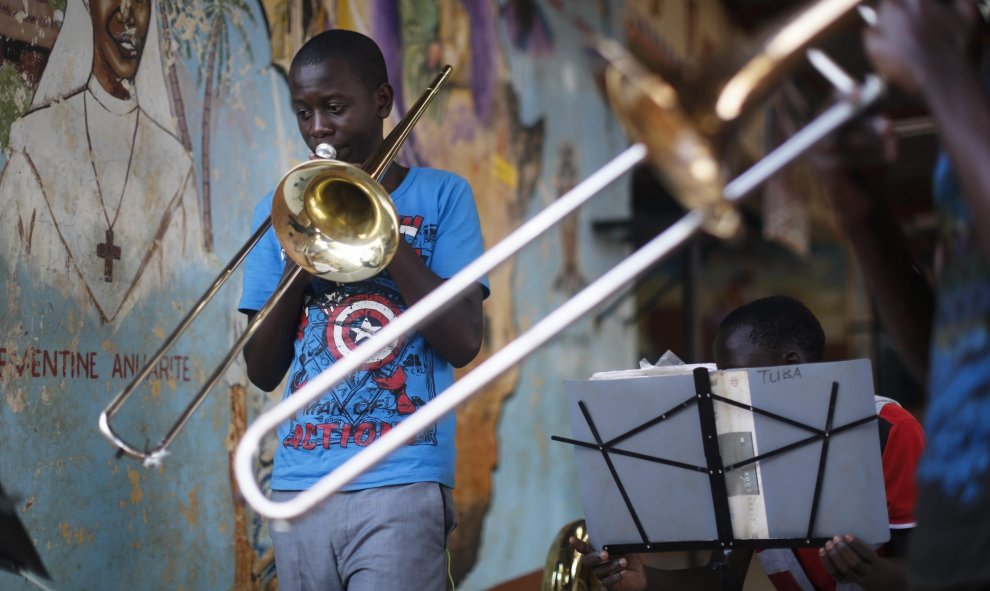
(167, 11)
(215, 20)
(222, 17)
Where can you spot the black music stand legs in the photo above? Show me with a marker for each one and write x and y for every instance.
(17, 552)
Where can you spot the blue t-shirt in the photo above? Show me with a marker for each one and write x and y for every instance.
(957, 454)
(952, 541)
(438, 218)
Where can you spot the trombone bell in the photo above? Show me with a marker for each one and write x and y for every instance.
(690, 118)
(335, 221)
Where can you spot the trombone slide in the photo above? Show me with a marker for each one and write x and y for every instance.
(575, 308)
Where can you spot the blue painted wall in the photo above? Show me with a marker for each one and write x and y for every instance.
(100, 522)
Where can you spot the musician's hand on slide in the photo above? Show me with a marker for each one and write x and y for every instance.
(852, 162)
(625, 573)
(915, 39)
(865, 147)
(848, 559)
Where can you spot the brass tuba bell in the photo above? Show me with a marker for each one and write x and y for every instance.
(563, 570)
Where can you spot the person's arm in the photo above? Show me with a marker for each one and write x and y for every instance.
(959, 104)
(927, 48)
(455, 333)
(852, 164)
(924, 48)
(850, 560)
(268, 354)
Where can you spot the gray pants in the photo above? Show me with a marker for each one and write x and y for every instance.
(394, 537)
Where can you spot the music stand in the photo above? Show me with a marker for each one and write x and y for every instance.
(17, 552)
(757, 458)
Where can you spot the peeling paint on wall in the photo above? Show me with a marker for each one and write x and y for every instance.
(135, 479)
(506, 126)
(103, 249)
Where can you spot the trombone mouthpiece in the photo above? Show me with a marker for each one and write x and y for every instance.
(326, 151)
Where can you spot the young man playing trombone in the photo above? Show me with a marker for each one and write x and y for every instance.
(389, 527)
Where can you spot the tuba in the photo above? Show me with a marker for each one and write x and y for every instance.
(563, 570)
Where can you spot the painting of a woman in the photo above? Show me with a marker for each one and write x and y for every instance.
(99, 193)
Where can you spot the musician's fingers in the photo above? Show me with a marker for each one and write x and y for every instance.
(580, 545)
(830, 566)
(841, 568)
(611, 572)
(609, 568)
(846, 560)
(611, 580)
(594, 559)
(866, 144)
(861, 548)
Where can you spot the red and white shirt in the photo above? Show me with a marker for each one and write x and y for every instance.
(901, 442)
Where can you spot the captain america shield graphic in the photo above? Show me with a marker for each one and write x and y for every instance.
(357, 319)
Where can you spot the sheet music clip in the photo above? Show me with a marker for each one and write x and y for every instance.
(759, 458)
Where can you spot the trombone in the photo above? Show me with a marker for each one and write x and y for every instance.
(683, 140)
(333, 219)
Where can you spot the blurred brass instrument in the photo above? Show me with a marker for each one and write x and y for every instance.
(682, 123)
(333, 219)
(563, 570)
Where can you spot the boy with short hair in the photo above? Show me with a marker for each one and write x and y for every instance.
(391, 523)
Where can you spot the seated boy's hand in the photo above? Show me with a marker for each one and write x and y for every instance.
(848, 559)
(625, 573)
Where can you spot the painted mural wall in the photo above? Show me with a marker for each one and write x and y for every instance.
(141, 133)
(136, 133)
